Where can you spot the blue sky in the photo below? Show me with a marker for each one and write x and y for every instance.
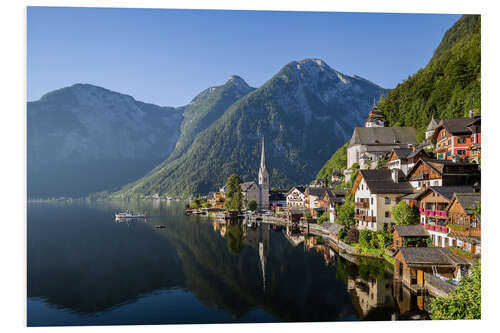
(166, 56)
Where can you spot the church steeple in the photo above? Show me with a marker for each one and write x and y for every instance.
(263, 180)
(263, 157)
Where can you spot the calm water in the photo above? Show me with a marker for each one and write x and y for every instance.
(86, 269)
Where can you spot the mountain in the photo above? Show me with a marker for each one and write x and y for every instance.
(207, 107)
(449, 85)
(304, 112)
(84, 138)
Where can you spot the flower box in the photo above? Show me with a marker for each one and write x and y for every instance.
(431, 227)
(420, 209)
(426, 212)
(421, 223)
(431, 212)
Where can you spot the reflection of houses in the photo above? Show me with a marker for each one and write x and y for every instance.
(375, 193)
(296, 197)
(410, 305)
(260, 238)
(371, 295)
(430, 172)
(464, 224)
(412, 262)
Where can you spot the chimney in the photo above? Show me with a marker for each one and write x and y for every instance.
(471, 113)
(395, 175)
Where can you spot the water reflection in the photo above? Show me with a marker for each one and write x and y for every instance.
(84, 268)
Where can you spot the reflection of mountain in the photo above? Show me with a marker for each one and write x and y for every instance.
(80, 259)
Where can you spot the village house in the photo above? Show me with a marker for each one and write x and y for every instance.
(218, 198)
(433, 203)
(417, 266)
(337, 178)
(296, 197)
(454, 137)
(251, 192)
(431, 172)
(374, 141)
(375, 192)
(412, 235)
(277, 198)
(463, 223)
(405, 158)
(313, 197)
(330, 200)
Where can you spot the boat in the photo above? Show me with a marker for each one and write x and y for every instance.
(130, 215)
(160, 226)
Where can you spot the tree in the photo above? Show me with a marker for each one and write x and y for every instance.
(234, 196)
(345, 213)
(252, 205)
(404, 214)
(323, 218)
(464, 302)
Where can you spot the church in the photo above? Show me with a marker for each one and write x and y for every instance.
(258, 191)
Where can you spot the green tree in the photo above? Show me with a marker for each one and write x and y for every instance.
(234, 196)
(365, 238)
(252, 205)
(323, 218)
(464, 302)
(234, 238)
(404, 214)
(345, 213)
(476, 210)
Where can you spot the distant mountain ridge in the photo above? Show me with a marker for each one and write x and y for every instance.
(305, 112)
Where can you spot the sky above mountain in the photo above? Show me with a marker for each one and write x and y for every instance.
(166, 56)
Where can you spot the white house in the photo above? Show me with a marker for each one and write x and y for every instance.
(375, 193)
(296, 197)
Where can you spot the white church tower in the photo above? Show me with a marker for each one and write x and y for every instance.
(263, 181)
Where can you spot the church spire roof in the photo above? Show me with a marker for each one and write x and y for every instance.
(263, 157)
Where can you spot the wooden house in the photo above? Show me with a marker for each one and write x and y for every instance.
(433, 203)
(375, 192)
(405, 158)
(313, 198)
(413, 235)
(463, 223)
(330, 200)
(412, 262)
(432, 172)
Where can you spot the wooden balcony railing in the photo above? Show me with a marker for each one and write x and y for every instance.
(365, 218)
(362, 204)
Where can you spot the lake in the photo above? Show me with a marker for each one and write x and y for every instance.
(84, 268)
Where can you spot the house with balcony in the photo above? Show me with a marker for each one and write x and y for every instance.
(433, 206)
(405, 158)
(296, 198)
(463, 223)
(431, 172)
(331, 200)
(375, 192)
(454, 137)
(313, 197)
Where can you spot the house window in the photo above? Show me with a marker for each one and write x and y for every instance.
(461, 140)
(387, 200)
(448, 153)
(387, 214)
(472, 138)
(371, 200)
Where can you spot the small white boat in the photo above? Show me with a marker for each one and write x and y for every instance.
(130, 215)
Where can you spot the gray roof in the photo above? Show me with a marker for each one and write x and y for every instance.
(380, 182)
(416, 152)
(317, 191)
(431, 256)
(448, 191)
(412, 196)
(432, 125)
(402, 153)
(334, 228)
(411, 230)
(457, 125)
(468, 200)
(301, 189)
(383, 136)
(246, 186)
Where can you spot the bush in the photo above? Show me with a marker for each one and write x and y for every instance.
(404, 214)
(464, 302)
(323, 218)
(342, 234)
(365, 237)
(252, 205)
